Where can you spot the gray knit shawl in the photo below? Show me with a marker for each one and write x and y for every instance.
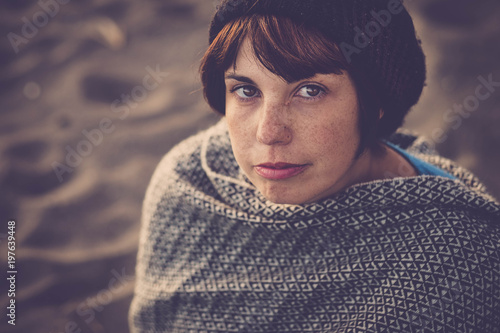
(418, 254)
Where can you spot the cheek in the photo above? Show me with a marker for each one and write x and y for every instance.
(240, 133)
(237, 119)
(242, 124)
(335, 137)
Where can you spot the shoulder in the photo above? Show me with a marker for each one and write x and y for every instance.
(424, 150)
(183, 180)
(177, 180)
(181, 171)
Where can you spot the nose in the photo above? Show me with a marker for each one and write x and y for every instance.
(274, 126)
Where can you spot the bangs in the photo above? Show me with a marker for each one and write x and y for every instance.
(286, 49)
(291, 51)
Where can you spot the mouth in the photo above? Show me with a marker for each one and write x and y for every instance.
(279, 171)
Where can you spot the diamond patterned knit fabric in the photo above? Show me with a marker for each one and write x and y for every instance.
(417, 254)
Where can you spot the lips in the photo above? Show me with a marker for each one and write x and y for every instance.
(279, 171)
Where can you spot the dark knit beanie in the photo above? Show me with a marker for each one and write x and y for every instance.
(377, 38)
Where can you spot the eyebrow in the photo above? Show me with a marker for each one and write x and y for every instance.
(239, 78)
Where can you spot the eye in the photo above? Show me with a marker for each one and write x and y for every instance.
(246, 92)
(310, 91)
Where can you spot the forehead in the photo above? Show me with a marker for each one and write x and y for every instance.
(246, 58)
(247, 68)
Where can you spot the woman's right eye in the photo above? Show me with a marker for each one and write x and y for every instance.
(246, 92)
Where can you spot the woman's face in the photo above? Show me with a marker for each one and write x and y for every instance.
(296, 142)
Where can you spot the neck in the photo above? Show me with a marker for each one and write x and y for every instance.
(385, 163)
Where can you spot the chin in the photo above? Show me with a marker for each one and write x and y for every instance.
(281, 198)
(281, 201)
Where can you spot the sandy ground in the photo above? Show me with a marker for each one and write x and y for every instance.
(65, 91)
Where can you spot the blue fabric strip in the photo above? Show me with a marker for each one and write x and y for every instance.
(423, 168)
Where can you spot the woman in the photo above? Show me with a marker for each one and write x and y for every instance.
(302, 211)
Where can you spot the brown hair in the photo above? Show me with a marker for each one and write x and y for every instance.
(293, 52)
